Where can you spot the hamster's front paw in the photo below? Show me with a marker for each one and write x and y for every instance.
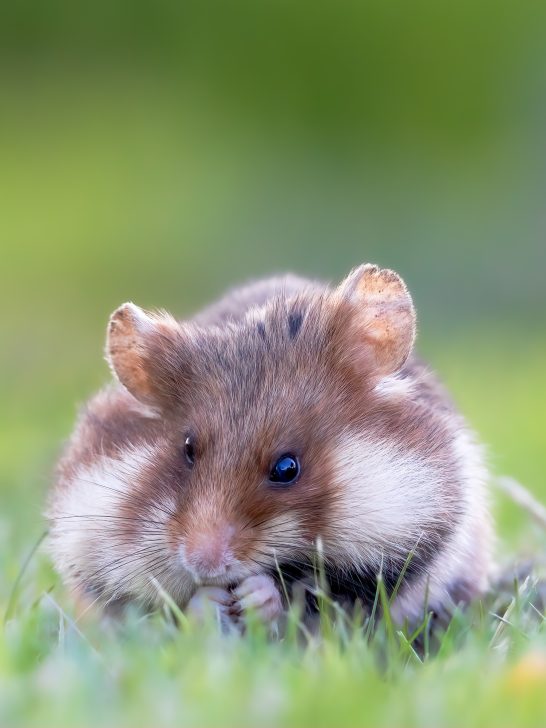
(261, 595)
(214, 600)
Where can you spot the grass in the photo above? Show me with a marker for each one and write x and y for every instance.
(487, 669)
(149, 671)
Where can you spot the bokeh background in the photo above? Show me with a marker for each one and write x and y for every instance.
(161, 152)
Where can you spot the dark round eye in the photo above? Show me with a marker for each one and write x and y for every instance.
(189, 451)
(286, 470)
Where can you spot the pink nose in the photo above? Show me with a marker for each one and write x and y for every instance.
(208, 553)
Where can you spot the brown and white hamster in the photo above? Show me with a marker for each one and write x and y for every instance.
(286, 415)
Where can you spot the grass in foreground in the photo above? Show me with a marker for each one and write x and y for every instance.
(487, 668)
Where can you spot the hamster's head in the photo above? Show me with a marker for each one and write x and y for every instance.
(272, 429)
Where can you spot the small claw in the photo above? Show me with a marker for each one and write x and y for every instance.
(207, 600)
(260, 594)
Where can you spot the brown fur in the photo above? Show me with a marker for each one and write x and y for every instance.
(283, 366)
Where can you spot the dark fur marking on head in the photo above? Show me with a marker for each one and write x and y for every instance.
(295, 319)
(260, 327)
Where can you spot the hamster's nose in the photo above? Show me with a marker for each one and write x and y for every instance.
(207, 554)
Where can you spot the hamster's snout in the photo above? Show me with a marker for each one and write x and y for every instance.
(208, 554)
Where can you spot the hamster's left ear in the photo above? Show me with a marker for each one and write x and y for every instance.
(382, 318)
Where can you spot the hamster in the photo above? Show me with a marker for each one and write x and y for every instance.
(288, 416)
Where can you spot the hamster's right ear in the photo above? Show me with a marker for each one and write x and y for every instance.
(143, 351)
(382, 328)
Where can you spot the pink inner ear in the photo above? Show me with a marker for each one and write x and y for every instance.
(138, 346)
(125, 351)
(384, 317)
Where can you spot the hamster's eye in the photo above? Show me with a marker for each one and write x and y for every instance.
(189, 451)
(286, 470)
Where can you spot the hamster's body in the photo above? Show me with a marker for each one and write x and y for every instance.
(172, 475)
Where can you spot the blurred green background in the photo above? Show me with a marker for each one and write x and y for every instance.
(162, 152)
